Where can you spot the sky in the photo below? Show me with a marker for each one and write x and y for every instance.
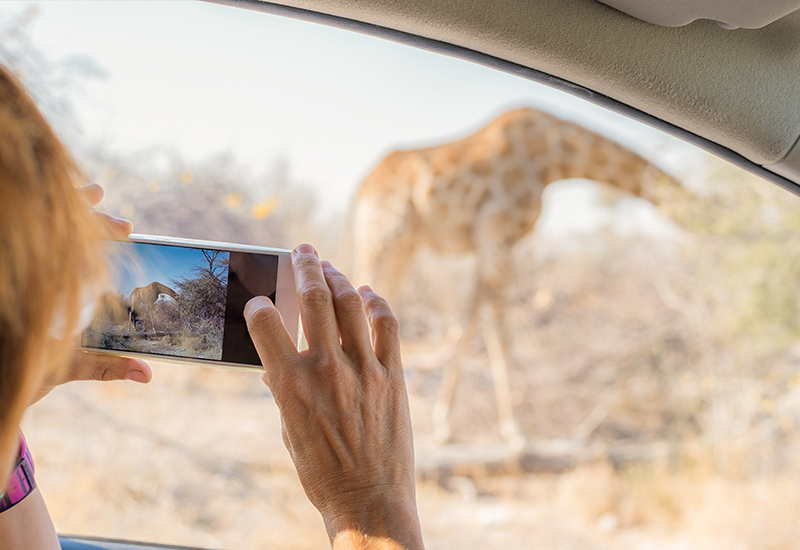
(156, 263)
(204, 78)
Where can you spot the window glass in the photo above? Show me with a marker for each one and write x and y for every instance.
(650, 340)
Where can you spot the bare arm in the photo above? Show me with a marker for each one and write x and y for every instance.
(344, 406)
(27, 526)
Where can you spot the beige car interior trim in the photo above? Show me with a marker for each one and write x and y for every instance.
(734, 89)
(789, 167)
(730, 14)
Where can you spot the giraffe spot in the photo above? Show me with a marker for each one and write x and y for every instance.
(482, 168)
(599, 173)
(551, 173)
(527, 123)
(631, 166)
(536, 147)
(598, 154)
(513, 178)
(573, 142)
(530, 201)
(453, 183)
(475, 195)
(569, 147)
(574, 170)
(441, 211)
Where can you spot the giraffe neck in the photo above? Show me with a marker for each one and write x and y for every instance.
(564, 150)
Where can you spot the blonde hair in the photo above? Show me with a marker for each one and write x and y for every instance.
(49, 250)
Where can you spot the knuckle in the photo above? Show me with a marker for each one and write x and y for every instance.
(106, 374)
(348, 298)
(315, 294)
(384, 320)
(378, 303)
(303, 262)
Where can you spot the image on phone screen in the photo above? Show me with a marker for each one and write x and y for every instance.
(180, 301)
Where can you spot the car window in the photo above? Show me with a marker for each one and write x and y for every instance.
(651, 391)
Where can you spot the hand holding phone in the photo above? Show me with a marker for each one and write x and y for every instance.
(343, 405)
(184, 300)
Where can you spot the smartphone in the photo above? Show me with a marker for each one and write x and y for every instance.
(178, 299)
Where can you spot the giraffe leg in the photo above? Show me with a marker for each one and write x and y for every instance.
(494, 276)
(495, 335)
(444, 397)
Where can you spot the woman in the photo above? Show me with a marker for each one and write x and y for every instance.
(343, 402)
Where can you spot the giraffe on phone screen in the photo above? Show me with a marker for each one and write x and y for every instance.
(142, 300)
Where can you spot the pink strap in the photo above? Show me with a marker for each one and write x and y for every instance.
(21, 483)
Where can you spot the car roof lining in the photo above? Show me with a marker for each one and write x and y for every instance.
(698, 82)
(729, 14)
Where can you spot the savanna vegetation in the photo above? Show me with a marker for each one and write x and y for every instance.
(669, 364)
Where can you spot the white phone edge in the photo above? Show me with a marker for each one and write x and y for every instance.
(285, 298)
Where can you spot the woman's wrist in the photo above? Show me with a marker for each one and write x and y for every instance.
(386, 525)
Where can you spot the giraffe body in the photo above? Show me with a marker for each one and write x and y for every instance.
(143, 298)
(480, 195)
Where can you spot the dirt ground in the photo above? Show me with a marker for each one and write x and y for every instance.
(196, 458)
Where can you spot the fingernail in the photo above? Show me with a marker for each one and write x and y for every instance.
(137, 376)
(326, 264)
(306, 249)
(264, 379)
(367, 288)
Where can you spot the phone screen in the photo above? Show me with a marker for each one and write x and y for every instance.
(180, 301)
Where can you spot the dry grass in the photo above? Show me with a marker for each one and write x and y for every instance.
(196, 458)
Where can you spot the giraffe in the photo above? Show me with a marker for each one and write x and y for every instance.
(480, 195)
(143, 298)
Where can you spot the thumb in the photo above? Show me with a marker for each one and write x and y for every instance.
(95, 366)
(273, 343)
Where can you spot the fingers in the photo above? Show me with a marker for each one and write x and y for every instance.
(111, 227)
(349, 309)
(385, 329)
(92, 194)
(315, 299)
(274, 345)
(95, 366)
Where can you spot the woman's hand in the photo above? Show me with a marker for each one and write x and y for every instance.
(95, 366)
(343, 405)
(110, 227)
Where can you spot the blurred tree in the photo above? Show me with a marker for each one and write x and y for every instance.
(202, 298)
(215, 199)
(53, 83)
(745, 247)
(739, 287)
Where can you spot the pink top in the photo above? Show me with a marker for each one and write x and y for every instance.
(21, 483)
